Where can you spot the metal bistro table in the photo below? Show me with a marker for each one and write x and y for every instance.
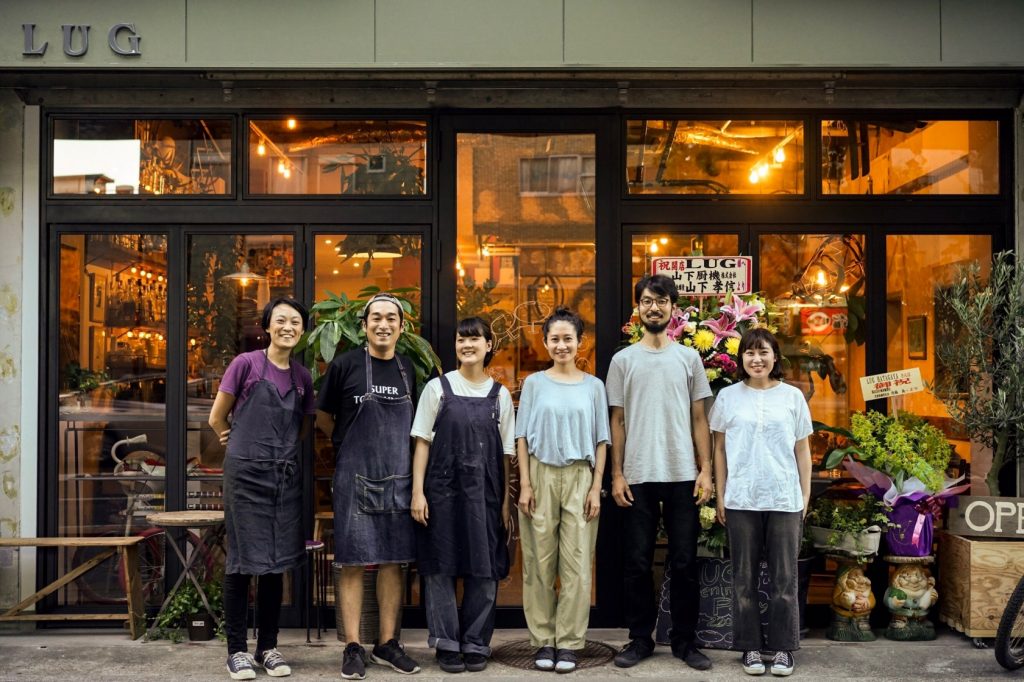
(212, 525)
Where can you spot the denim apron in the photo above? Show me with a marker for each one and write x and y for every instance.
(373, 481)
(465, 487)
(263, 481)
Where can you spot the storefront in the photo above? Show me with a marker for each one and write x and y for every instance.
(173, 204)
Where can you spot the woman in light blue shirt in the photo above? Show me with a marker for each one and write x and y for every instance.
(561, 436)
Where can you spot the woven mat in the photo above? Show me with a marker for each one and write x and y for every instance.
(520, 654)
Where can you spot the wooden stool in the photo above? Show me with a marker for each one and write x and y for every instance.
(212, 523)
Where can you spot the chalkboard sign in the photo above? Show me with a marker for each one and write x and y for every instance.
(714, 623)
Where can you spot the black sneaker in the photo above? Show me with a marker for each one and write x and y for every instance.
(544, 659)
(782, 664)
(273, 662)
(392, 654)
(450, 661)
(475, 662)
(752, 663)
(692, 656)
(352, 665)
(634, 652)
(240, 666)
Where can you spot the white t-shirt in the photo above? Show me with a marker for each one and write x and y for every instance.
(655, 387)
(761, 429)
(430, 403)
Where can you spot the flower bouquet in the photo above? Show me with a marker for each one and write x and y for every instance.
(713, 327)
(902, 461)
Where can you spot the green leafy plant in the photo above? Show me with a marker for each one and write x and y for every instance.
(337, 327)
(187, 603)
(852, 518)
(979, 375)
(387, 171)
(81, 379)
(903, 447)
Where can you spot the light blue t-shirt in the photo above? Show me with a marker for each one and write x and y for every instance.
(561, 422)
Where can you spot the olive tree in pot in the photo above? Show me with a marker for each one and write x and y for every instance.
(979, 375)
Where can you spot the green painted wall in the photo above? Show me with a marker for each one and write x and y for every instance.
(547, 34)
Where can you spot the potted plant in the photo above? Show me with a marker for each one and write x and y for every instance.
(337, 327)
(901, 460)
(853, 528)
(186, 612)
(978, 375)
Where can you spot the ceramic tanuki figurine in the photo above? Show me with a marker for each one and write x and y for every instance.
(852, 602)
(910, 595)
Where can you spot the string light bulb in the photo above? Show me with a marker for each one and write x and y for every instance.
(754, 177)
(280, 167)
(287, 173)
(292, 123)
(780, 155)
(261, 149)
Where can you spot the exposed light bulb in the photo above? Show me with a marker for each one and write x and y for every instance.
(244, 281)
(287, 172)
(335, 271)
(762, 170)
(485, 252)
(754, 177)
(191, 342)
(292, 123)
(133, 270)
(780, 155)
(261, 149)
(327, 241)
(355, 264)
(821, 278)
(280, 166)
(654, 247)
(663, 240)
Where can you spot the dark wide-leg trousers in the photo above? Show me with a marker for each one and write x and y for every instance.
(775, 536)
(676, 504)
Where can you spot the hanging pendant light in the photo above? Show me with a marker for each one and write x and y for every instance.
(244, 275)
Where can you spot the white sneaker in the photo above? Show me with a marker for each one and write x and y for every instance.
(782, 665)
(752, 663)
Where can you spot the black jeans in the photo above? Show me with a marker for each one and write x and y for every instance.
(674, 502)
(775, 535)
(268, 610)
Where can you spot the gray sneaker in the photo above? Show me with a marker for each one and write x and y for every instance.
(240, 666)
(273, 662)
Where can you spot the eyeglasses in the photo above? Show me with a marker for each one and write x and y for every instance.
(647, 301)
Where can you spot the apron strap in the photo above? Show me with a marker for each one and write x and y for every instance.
(446, 388)
(369, 374)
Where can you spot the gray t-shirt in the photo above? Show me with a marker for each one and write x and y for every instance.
(562, 422)
(655, 388)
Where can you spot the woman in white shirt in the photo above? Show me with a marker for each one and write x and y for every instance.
(562, 433)
(763, 482)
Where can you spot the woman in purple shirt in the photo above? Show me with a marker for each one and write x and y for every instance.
(270, 399)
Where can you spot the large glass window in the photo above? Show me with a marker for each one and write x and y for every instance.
(909, 156)
(163, 157)
(666, 243)
(918, 269)
(112, 374)
(675, 156)
(816, 284)
(525, 245)
(304, 156)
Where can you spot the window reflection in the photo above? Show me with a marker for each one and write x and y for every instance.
(112, 437)
(676, 156)
(909, 157)
(662, 243)
(141, 156)
(817, 286)
(914, 316)
(303, 156)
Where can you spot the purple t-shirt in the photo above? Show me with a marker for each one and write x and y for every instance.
(244, 372)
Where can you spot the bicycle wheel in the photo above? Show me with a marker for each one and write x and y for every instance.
(152, 556)
(1010, 634)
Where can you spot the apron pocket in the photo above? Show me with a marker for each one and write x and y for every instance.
(391, 495)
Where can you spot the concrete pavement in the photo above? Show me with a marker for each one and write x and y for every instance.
(99, 656)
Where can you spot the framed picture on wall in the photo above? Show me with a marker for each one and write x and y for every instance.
(97, 297)
(917, 337)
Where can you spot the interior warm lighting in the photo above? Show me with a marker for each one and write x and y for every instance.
(244, 275)
(820, 279)
(485, 252)
(334, 272)
(843, 289)
(327, 241)
(159, 278)
(133, 270)
(663, 240)
(291, 124)
(261, 149)
(780, 155)
(355, 264)
(762, 170)
(130, 334)
(191, 342)
(654, 247)
(754, 177)
(280, 167)
(287, 173)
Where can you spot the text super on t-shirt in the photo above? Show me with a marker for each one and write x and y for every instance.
(345, 384)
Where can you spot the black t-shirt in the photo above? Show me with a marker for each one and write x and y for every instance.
(345, 384)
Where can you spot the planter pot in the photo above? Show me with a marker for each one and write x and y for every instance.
(201, 627)
(976, 578)
(853, 544)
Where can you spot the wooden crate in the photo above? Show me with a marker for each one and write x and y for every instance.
(976, 577)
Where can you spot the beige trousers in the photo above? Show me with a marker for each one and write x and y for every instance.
(558, 542)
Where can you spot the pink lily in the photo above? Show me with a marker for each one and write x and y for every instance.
(724, 327)
(678, 323)
(741, 311)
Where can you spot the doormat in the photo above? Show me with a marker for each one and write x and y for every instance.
(520, 654)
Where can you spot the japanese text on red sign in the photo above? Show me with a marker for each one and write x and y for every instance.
(705, 275)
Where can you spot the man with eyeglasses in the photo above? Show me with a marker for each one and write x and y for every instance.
(656, 390)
